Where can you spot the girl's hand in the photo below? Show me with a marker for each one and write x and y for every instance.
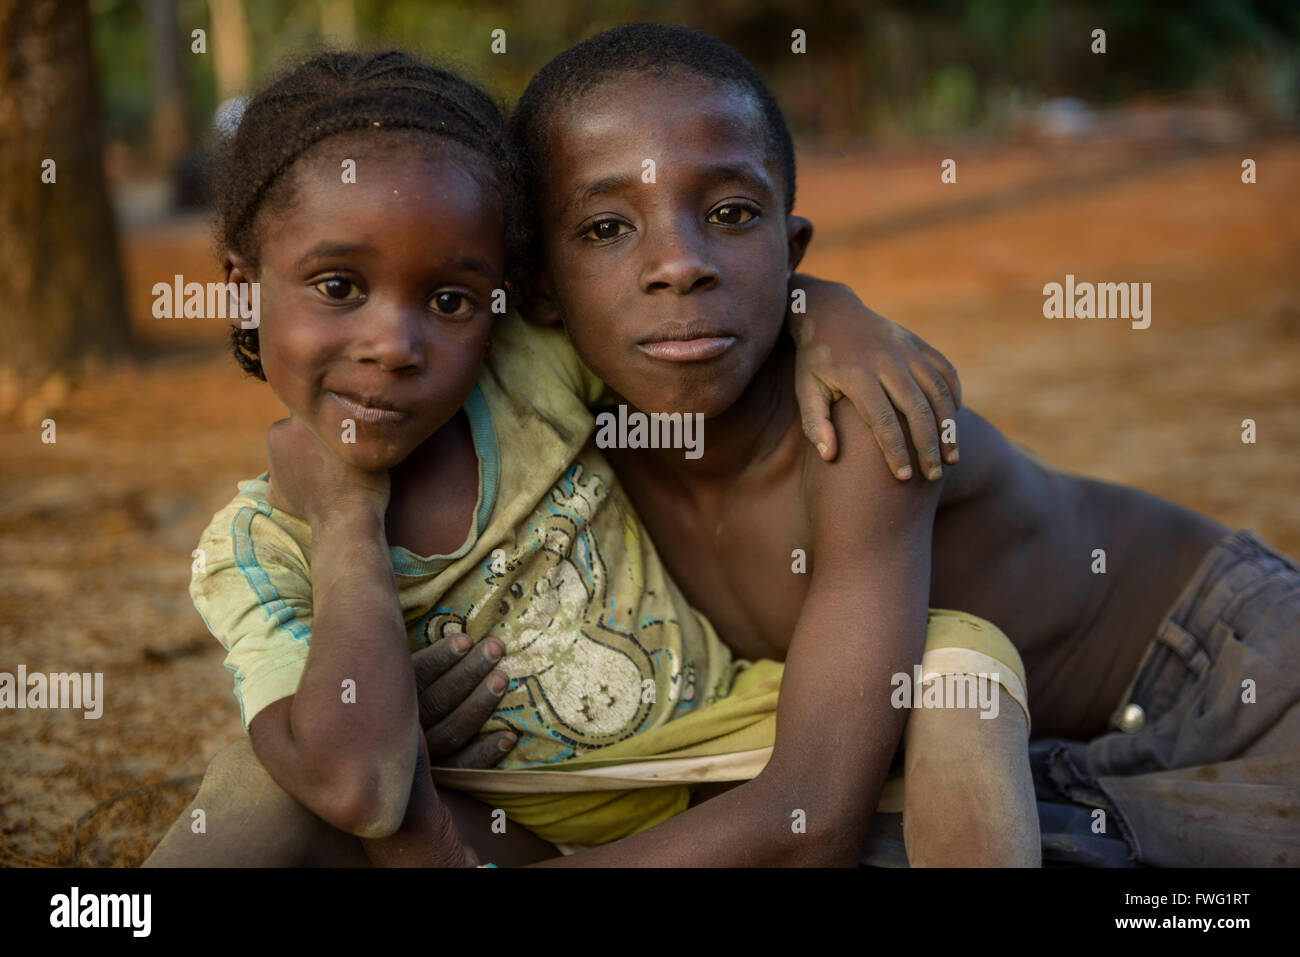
(458, 688)
(310, 481)
(845, 349)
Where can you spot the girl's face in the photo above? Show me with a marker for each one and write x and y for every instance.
(376, 293)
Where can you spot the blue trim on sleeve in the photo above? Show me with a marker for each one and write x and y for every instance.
(485, 444)
(239, 695)
(258, 580)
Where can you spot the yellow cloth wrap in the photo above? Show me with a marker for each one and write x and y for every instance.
(727, 740)
(951, 631)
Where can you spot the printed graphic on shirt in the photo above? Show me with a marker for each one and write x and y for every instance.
(579, 671)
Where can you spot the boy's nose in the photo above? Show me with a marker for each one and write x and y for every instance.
(677, 263)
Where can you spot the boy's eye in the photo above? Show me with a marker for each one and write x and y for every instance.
(731, 215)
(451, 303)
(336, 287)
(606, 229)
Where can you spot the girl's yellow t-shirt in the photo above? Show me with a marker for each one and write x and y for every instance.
(600, 643)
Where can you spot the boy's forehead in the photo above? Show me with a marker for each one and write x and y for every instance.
(665, 118)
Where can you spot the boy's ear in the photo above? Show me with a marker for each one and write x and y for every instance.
(799, 231)
(543, 308)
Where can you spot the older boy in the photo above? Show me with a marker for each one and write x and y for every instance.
(1187, 640)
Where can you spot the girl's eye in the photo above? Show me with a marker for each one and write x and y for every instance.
(731, 215)
(606, 229)
(338, 288)
(451, 303)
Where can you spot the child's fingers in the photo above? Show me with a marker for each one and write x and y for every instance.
(815, 409)
(874, 407)
(482, 754)
(442, 693)
(912, 402)
(945, 368)
(433, 662)
(943, 404)
(456, 732)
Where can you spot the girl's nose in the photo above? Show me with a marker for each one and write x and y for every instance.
(392, 339)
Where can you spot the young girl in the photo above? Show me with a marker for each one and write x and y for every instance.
(427, 489)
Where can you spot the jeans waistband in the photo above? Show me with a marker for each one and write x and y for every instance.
(1228, 575)
(1212, 603)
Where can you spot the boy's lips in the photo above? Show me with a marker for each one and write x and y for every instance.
(375, 411)
(686, 342)
(688, 350)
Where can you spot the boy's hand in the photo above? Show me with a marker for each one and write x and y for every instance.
(311, 482)
(845, 349)
(458, 689)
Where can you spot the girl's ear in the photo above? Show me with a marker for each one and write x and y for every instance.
(238, 271)
(799, 233)
(235, 267)
(543, 307)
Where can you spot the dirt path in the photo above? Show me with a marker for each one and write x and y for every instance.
(96, 530)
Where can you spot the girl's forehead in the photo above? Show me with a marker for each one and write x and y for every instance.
(416, 197)
(369, 172)
(388, 153)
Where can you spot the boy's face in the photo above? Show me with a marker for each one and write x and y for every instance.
(377, 293)
(672, 291)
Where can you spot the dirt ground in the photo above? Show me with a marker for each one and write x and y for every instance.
(96, 530)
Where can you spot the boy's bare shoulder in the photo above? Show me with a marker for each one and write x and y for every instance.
(857, 492)
(990, 464)
(858, 495)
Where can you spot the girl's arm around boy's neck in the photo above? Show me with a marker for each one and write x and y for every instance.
(345, 744)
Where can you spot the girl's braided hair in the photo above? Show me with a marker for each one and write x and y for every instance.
(332, 93)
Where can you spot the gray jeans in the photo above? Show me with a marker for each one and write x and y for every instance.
(1205, 769)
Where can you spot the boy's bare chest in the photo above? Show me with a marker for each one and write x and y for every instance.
(745, 563)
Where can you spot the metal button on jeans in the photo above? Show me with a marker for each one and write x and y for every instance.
(1132, 719)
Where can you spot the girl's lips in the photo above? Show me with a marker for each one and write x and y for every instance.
(688, 350)
(368, 413)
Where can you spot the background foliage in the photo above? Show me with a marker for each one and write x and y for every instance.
(880, 68)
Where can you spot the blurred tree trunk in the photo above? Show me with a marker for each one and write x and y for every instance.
(61, 294)
(229, 46)
(170, 133)
(338, 23)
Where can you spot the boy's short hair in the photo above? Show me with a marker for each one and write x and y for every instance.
(652, 48)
